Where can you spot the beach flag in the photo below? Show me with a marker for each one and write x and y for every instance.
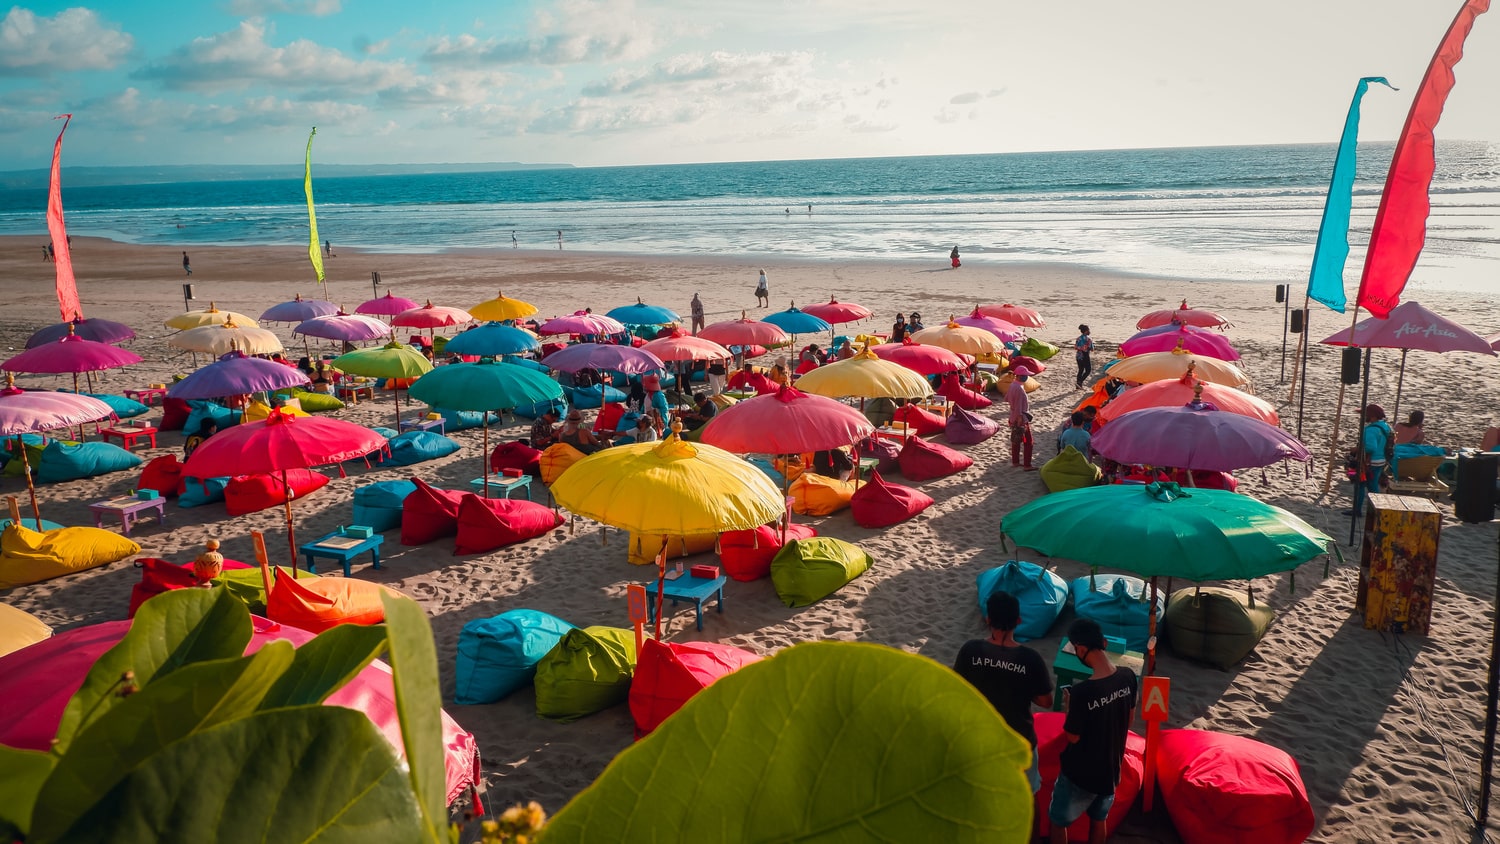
(67, 289)
(1326, 283)
(313, 250)
(1400, 228)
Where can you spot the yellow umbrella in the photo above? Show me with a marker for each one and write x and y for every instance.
(501, 309)
(226, 337)
(212, 316)
(1160, 366)
(960, 338)
(866, 376)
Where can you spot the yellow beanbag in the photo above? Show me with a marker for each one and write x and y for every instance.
(19, 629)
(722, 401)
(556, 459)
(814, 495)
(1032, 385)
(643, 548)
(27, 556)
(260, 410)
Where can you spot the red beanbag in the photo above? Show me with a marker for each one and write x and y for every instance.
(921, 460)
(668, 674)
(747, 554)
(1231, 789)
(161, 474)
(1030, 363)
(429, 513)
(882, 449)
(1204, 479)
(515, 455)
(250, 493)
(925, 422)
(878, 504)
(965, 428)
(954, 391)
(158, 576)
(174, 414)
(609, 416)
(1049, 746)
(485, 524)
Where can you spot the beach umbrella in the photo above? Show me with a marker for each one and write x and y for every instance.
(1008, 332)
(1183, 315)
(1189, 338)
(643, 314)
(431, 316)
(796, 321)
(70, 355)
(502, 309)
(581, 322)
(493, 339)
(33, 411)
(866, 376)
(237, 374)
(683, 346)
(393, 360)
(226, 337)
(1493, 340)
(388, 305)
(1013, 314)
(745, 332)
(484, 386)
(787, 421)
(209, 316)
(97, 330)
(835, 312)
(960, 338)
(623, 359)
(299, 310)
(347, 328)
(278, 443)
(1196, 436)
(1411, 327)
(920, 358)
(1183, 390)
(1155, 366)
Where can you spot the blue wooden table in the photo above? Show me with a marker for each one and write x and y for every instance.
(687, 588)
(501, 486)
(315, 549)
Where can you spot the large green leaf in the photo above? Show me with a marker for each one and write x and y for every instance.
(419, 702)
(325, 664)
(304, 774)
(830, 741)
(22, 773)
(170, 630)
(192, 699)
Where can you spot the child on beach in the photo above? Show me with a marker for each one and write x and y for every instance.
(953, 256)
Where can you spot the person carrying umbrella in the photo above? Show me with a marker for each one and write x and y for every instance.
(1020, 419)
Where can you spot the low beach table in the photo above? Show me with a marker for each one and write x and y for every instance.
(423, 424)
(336, 546)
(1070, 670)
(352, 391)
(147, 396)
(129, 510)
(128, 434)
(502, 486)
(897, 434)
(687, 588)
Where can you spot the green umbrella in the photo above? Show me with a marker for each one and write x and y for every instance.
(393, 360)
(484, 386)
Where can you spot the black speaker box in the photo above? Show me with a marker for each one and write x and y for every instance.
(1297, 320)
(1349, 366)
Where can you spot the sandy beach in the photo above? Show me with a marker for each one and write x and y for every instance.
(1387, 729)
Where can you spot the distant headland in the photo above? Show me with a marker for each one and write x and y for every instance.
(174, 173)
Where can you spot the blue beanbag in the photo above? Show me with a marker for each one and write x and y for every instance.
(498, 655)
(195, 492)
(388, 433)
(588, 398)
(378, 505)
(61, 462)
(1118, 603)
(417, 446)
(532, 411)
(202, 410)
(769, 468)
(1042, 595)
(123, 407)
(459, 420)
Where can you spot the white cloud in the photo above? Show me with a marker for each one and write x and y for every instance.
(257, 8)
(745, 73)
(464, 88)
(74, 39)
(577, 32)
(965, 98)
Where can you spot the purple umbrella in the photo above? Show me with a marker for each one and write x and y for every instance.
(1411, 326)
(98, 330)
(237, 374)
(25, 412)
(1007, 332)
(298, 310)
(341, 326)
(1165, 338)
(387, 305)
(1195, 436)
(71, 354)
(623, 359)
(581, 323)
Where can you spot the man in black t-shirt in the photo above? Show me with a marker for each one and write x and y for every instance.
(1010, 675)
(1100, 710)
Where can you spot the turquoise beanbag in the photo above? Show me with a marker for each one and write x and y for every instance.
(124, 408)
(193, 492)
(62, 462)
(417, 446)
(459, 420)
(532, 411)
(1042, 595)
(202, 410)
(588, 398)
(498, 655)
(1118, 603)
(378, 505)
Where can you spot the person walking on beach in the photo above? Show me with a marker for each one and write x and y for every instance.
(1010, 675)
(559, 238)
(697, 311)
(1083, 349)
(1100, 710)
(513, 242)
(328, 248)
(187, 266)
(953, 256)
(1020, 419)
(47, 251)
(763, 291)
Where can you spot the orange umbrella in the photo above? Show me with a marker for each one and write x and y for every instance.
(1013, 314)
(1183, 315)
(1175, 393)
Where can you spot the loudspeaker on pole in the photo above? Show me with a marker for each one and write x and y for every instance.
(1349, 365)
(1297, 319)
(1280, 293)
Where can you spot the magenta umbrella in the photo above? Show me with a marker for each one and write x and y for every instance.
(683, 346)
(431, 316)
(1005, 331)
(298, 310)
(1411, 326)
(388, 305)
(787, 421)
(1183, 315)
(922, 358)
(349, 328)
(98, 330)
(1196, 436)
(71, 354)
(745, 332)
(835, 312)
(1165, 338)
(580, 322)
(1013, 314)
(623, 359)
(30, 411)
(237, 374)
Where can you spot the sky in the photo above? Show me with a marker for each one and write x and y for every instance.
(622, 82)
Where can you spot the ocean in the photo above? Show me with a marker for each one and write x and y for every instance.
(1212, 213)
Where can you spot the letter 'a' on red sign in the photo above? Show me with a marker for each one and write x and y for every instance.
(1155, 692)
(636, 594)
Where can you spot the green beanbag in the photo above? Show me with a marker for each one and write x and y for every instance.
(588, 671)
(806, 571)
(1069, 470)
(1214, 625)
(313, 402)
(15, 468)
(64, 462)
(1034, 348)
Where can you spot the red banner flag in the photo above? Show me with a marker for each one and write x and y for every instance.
(1400, 228)
(67, 290)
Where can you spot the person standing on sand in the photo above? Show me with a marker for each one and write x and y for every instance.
(1020, 419)
(1100, 710)
(953, 256)
(559, 238)
(513, 243)
(763, 291)
(187, 266)
(1010, 675)
(1083, 349)
(697, 312)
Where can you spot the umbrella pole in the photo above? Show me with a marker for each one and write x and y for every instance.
(485, 455)
(661, 584)
(396, 396)
(1151, 631)
(1396, 414)
(1359, 491)
(30, 483)
(291, 537)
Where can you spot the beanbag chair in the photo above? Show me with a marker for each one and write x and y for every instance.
(388, 433)
(956, 393)
(158, 576)
(791, 467)
(880, 411)
(498, 655)
(429, 513)
(27, 556)
(1037, 349)
(253, 493)
(806, 571)
(1069, 470)
(396, 383)
(747, 554)
(877, 504)
(921, 460)
(123, 407)
(1006, 379)
(965, 428)
(174, 414)
(643, 548)
(12, 467)
(589, 670)
(608, 420)
(313, 402)
(378, 506)
(1049, 747)
(532, 411)
(1204, 479)
(162, 474)
(1118, 602)
(417, 447)
(815, 495)
(1231, 790)
(224, 417)
(515, 455)
(588, 398)
(257, 410)
(34, 523)
(462, 420)
(769, 468)
(317, 604)
(887, 452)
(1042, 595)
(925, 422)
(19, 629)
(668, 674)
(195, 492)
(1214, 625)
(556, 459)
(63, 462)
(485, 524)
(1031, 363)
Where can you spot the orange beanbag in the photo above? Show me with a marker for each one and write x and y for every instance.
(925, 422)
(485, 524)
(668, 674)
(921, 460)
(397, 383)
(644, 547)
(814, 495)
(556, 459)
(251, 493)
(429, 513)
(316, 604)
(879, 504)
(161, 474)
(747, 554)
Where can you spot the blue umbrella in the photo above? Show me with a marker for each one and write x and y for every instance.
(795, 321)
(493, 339)
(643, 314)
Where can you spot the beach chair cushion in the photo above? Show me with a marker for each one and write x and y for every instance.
(1042, 595)
(66, 462)
(589, 670)
(417, 447)
(1117, 602)
(195, 492)
(316, 604)
(806, 571)
(313, 402)
(123, 407)
(174, 414)
(1049, 746)
(965, 428)
(253, 493)
(921, 460)
(888, 452)
(498, 655)
(162, 474)
(1232, 789)
(925, 422)
(1037, 349)
(19, 629)
(485, 524)
(462, 420)
(429, 513)
(556, 459)
(516, 455)
(815, 495)
(956, 393)
(642, 548)
(28, 556)
(223, 416)
(1214, 625)
(1069, 470)
(378, 506)
(747, 554)
(158, 576)
(668, 674)
(877, 504)
(532, 411)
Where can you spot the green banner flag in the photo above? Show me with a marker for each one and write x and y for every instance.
(313, 251)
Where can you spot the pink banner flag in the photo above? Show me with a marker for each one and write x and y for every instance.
(1400, 228)
(67, 290)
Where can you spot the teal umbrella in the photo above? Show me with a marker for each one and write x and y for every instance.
(484, 386)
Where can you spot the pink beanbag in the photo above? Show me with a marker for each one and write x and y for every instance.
(668, 674)
(251, 493)
(878, 504)
(429, 513)
(921, 460)
(747, 554)
(161, 474)
(1049, 746)
(956, 393)
(882, 449)
(487, 524)
(1204, 479)
(924, 422)
(965, 428)
(515, 455)
(1230, 789)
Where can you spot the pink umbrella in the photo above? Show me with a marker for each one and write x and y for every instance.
(745, 332)
(1196, 436)
(1165, 338)
(581, 322)
(1411, 326)
(345, 327)
(1183, 315)
(1180, 391)
(1013, 314)
(98, 330)
(431, 316)
(624, 359)
(71, 354)
(298, 310)
(388, 305)
(26, 412)
(835, 312)
(921, 358)
(787, 421)
(40, 679)
(1007, 332)
(686, 347)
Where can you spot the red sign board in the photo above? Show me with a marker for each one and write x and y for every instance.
(1155, 692)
